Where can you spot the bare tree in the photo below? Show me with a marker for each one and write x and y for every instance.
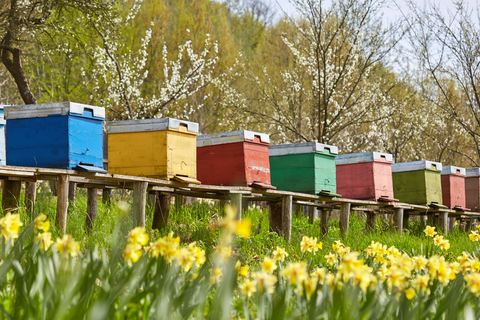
(448, 46)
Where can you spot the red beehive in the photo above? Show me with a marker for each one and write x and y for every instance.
(365, 176)
(453, 187)
(472, 189)
(237, 158)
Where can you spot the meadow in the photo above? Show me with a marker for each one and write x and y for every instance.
(207, 265)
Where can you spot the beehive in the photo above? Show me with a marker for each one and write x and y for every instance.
(237, 158)
(303, 167)
(63, 135)
(453, 186)
(365, 176)
(161, 148)
(472, 189)
(3, 159)
(418, 182)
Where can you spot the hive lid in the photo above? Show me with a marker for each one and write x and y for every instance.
(299, 148)
(447, 170)
(472, 172)
(416, 165)
(230, 137)
(363, 157)
(49, 109)
(144, 125)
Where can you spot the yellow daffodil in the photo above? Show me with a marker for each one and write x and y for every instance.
(331, 259)
(241, 270)
(248, 287)
(268, 265)
(265, 281)
(473, 236)
(243, 228)
(216, 275)
(430, 231)
(295, 272)
(41, 223)
(280, 254)
(138, 235)
(225, 252)
(473, 282)
(10, 226)
(132, 252)
(410, 293)
(67, 246)
(45, 240)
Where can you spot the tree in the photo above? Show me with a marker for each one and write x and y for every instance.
(24, 21)
(326, 85)
(448, 48)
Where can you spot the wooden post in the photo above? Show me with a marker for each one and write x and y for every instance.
(11, 195)
(443, 221)
(107, 196)
(451, 222)
(30, 198)
(324, 216)
(370, 223)
(406, 219)
(344, 217)
(312, 214)
(53, 187)
(62, 203)
(72, 192)
(245, 203)
(91, 208)
(431, 219)
(275, 217)
(139, 200)
(399, 219)
(236, 199)
(162, 211)
(287, 201)
(473, 223)
(423, 220)
(221, 206)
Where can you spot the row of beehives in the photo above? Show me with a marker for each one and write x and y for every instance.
(69, 136)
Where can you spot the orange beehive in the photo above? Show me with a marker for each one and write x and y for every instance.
(472, 189)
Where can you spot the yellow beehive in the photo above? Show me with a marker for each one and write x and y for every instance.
(159, 148)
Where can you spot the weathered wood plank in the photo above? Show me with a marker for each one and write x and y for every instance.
(287, 217)
(324, 217)
(62, 203)
(11, 195)
(30, 198)
(236, 200)
(344, 217)
(399, 219)
(139, 201)
(92, 203)
(162, 211)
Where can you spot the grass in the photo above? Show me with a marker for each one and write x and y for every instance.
(199, 222)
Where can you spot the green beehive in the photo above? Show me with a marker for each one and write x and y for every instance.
(303, 167)
(418, 182)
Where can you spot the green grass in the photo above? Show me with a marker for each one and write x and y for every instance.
(198, 222)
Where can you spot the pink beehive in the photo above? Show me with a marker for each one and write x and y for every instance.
(365, 176)
(453, 187)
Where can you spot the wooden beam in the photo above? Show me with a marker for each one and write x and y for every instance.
(11, 195)
(287, 217)
(236, 199)
(92, 203)
(139, 201)
(62, 203)
(30, 198)
(344, 217)
(162, 211)
(399, 219)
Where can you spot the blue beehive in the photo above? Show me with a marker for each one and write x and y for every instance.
(2, 137)
(63, 135)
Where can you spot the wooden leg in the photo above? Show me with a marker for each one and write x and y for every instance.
(72, 192)
(473, 223)
(162, 211)
(312, 214)
(30, 198)
(443, 221)
(139, 201)
(221, 206)
(399, 219)
(423, 220)
(344, 217)
(236, 199)
(245, 204)
(107, 196)
(91, 208)
(275, 217)
(324, 216)
(11, 195)
(431, 219)
(62, 203)
(53, 187)
(370, 224)
(287, 201)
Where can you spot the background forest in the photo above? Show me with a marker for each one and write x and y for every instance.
(329, 73)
